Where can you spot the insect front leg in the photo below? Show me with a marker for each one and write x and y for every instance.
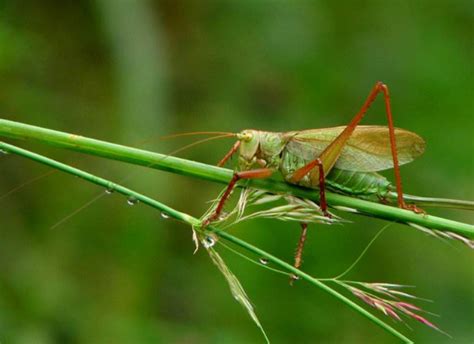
(229, 154)
(260, 173)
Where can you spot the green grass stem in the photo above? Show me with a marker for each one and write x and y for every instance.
(192, 221)
(172, 164)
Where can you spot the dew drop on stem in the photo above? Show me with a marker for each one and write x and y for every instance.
(164, 215)
(208, 242)
(109, 191)
(263, 261)
(132, 201)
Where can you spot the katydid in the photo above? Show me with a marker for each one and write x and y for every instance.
(333, 156)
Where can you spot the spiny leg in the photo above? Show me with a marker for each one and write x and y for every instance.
(299, 250)
(297, 176)
(325, 162)
(339, 142)
(331, 153)
(260, 173)
(251, 174)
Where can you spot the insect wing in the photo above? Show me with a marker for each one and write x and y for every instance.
(367, 150)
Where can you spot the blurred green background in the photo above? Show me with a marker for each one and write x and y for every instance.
(131, 71)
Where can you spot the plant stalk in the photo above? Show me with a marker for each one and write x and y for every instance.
(192, 221)
(172, 164)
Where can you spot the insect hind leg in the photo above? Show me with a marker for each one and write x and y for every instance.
(332, 152)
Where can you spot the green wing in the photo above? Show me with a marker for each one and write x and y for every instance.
(367, 150)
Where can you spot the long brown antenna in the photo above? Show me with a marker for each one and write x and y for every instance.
(192, 133)
(201, 141)
(128, 177)
(167, 137)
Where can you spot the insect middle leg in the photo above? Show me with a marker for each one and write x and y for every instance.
(308, 168)
(260, 173)
(299, 250)
(296, 177)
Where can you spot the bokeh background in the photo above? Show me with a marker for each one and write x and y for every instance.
(131, 71)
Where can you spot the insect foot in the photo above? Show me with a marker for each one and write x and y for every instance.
(413, 208)
(327, 214)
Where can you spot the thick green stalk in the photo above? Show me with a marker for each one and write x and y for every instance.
(111, 186)
(195, 169)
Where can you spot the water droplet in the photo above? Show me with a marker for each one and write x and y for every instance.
(263, 261)
(3, 152)
(109, 191)
(132, 201)
(208, 242)
(164, 215)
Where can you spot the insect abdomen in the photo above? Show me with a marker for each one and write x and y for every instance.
(348, 182)
(358, 183)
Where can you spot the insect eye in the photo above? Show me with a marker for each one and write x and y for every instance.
(245, 136)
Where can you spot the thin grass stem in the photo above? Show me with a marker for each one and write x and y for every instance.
(195, 223)
(221, 175)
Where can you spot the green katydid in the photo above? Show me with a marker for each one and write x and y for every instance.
(332, 156)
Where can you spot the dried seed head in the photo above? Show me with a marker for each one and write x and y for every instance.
(389, 307)
(278, 206)
(444, 234)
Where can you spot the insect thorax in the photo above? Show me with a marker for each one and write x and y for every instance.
(261, 149)
(289, 163)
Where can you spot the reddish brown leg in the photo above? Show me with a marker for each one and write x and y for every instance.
(331, 153)
(300, 173)
(379, 87)
(234, 149)
(299, 250)
(260, 173)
